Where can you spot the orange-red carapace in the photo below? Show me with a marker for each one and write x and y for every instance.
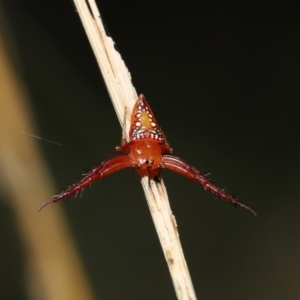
(147, 152)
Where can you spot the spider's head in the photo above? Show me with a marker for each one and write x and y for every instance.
(146, 154)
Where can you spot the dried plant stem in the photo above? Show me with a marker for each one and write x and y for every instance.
(123, 94)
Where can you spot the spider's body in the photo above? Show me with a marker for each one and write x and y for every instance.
(147, 152)
(147, 143)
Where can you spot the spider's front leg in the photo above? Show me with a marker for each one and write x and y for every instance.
(109, 166)
(180, 166)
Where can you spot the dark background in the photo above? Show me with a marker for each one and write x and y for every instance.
(223, 82)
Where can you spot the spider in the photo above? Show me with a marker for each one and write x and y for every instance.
(147, 152)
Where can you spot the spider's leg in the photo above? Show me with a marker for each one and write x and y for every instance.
(180, 166)
(109, 166)
(157, 178)
(123, 139)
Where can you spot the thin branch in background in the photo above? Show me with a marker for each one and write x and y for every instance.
(53, 269)
(123, 94)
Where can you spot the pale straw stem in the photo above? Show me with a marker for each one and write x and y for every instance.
(123, 94)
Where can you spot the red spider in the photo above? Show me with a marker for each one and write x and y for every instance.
(146, 152)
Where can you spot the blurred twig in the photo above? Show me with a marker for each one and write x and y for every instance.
(54, 270)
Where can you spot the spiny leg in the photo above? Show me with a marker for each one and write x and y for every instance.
(109, 166)
(123, 139)
(180, 166)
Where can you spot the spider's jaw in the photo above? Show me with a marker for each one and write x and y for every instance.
(148, 170)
